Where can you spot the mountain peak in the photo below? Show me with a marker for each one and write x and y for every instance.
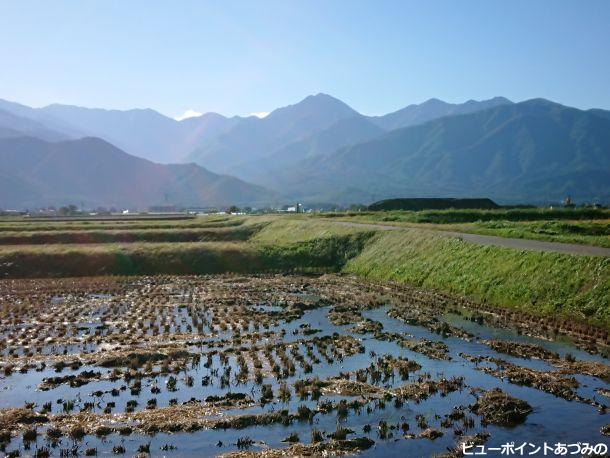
(210, 116)
(322, 96)
(318, 104)
(500, 99)
(322, 99)
(434, 101)
(539, 101)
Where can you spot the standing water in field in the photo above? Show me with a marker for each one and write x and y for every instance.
(282, 366)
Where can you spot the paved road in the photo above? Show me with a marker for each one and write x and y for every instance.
(520, 244)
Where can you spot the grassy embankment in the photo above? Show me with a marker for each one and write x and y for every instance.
(545, 283)
(583, 226)
(233, 248)
(39, 226)
(129, 235)
(537, 282)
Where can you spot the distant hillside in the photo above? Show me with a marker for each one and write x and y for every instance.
(91, 171)
(41, 119)
(429, 110)
(258, 139)
(143, 133)
(346, 132)
(531, 151)
(16, 126)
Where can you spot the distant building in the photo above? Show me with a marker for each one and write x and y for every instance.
(298, 208)
(11, 212)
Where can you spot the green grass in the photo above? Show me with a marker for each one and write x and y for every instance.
(312, 248)
(310, 243)
(544, 283)
(596, 232)
(586, 232)
(469, 216)
(126, 259)
(41, 225)
(183, 234)
(288, 230)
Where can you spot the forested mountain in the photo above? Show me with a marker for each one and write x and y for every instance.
(530, 151)
(93, 172)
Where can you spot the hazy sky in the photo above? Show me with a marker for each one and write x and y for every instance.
(239, 57)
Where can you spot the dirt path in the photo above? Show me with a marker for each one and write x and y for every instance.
(520, 244)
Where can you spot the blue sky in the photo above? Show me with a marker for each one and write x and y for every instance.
(239, 57)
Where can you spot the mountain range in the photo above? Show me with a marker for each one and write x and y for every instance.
(93, 173)
(533, 151)
(317, 150)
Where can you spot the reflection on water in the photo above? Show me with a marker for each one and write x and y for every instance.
(553, 419)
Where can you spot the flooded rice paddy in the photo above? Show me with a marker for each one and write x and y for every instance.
(285, 366)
